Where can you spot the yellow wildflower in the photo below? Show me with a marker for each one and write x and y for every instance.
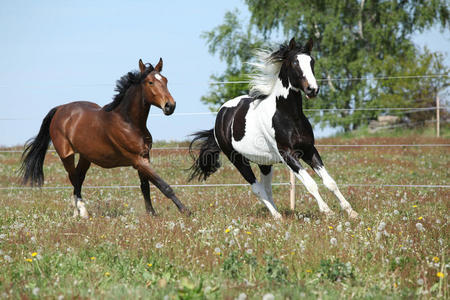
(331, 227)
(436, 259)
(248, 232)
(227, 230)
(126, 205)
(93, 258)
(34, 254)
(419, 218)
(308, 271)
(414, 206)
(29, 260)
(368, 228)
(440, 274)
(149, 265)
(107, 274)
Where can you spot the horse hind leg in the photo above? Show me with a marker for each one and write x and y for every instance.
(266, 179)
(81, 170)
(243, 166)
(76, 177)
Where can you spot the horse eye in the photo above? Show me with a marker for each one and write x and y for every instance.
(150, 82)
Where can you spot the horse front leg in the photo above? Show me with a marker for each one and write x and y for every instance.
(291, 161)
(143, 167)
(145, 189)
(316, 163)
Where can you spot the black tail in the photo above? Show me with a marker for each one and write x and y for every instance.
(34, 154)
(208, 160)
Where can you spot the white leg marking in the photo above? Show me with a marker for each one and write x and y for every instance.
(80, 208)
(259, 190)
(332, 186)
(266, 180)
(312, 187)
(75, 209)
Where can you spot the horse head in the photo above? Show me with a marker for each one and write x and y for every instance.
(154, 88)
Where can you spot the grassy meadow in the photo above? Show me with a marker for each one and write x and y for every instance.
(231, 246)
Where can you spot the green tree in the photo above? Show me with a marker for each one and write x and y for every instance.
(353, 39)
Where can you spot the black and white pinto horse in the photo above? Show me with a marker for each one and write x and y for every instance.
(268, 127)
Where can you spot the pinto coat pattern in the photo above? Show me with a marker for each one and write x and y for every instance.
(268, 127)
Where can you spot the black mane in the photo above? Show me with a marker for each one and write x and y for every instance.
(125, 82)
(285, 51)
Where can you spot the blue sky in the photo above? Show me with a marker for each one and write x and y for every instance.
(54, 52)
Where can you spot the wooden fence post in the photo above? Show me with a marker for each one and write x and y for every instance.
(292, 189)
(437, 115)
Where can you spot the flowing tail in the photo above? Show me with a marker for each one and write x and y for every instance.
(34, 154)
(208, 160)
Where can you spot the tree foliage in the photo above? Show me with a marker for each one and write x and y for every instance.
(353, 39)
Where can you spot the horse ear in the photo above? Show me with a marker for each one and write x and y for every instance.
(309, 45)
(292, 44)
(141, 66)
(159, 65)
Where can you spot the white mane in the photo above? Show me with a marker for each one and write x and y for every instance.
(264, 74)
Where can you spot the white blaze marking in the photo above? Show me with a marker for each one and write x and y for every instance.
(157, 76)
(305, 64)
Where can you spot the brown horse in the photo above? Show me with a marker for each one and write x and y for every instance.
(113, 136)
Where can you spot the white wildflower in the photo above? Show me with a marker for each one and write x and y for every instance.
(339, 228)
(381, 226)
(249, 251)
(268, 296)
(378, 236)
(333, 241)
(159, 245)
(287, 235)
(420, 227)
(242, 296)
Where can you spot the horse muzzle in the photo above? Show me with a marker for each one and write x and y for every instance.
(169, 108)
(311, 92)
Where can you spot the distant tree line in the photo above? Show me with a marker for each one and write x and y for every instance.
(352, 39)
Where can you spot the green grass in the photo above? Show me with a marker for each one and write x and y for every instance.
(231, 245)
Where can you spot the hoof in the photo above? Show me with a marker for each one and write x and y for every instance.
(353, 214)
(185, 211)
(329, 214)
(278, 217)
